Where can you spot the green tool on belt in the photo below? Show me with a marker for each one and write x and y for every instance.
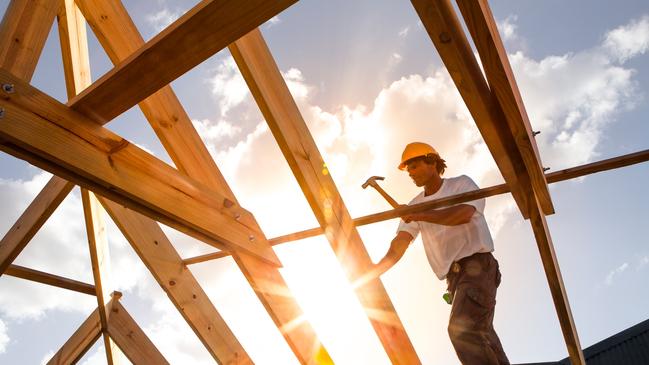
(448, 298)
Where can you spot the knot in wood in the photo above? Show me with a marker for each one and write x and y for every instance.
(444, 37)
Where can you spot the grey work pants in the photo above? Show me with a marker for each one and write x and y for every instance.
(470, 325)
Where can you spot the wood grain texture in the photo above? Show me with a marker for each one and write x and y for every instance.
(79, 343)
(130, 338)
(49, 279)
(23, 32)
(285, 121)
(484, 31)
(444, 29)
(162, 260)
(555, 282)
(70, 145)
(204, 30)
(120, 38)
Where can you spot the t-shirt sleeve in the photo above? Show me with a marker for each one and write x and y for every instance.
(412, 228)
(467, 184)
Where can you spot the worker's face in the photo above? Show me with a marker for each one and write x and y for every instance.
(421, 173)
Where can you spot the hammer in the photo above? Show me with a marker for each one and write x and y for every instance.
(372, 182)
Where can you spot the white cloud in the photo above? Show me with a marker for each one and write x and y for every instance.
(615, 272)
(628, 40)
(507, 28)
(4, 337)
(162, 18)
(228, 86)
(61, 240)
(404, 32)
(273, 21)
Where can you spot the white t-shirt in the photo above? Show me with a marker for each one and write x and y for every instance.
(446, 244)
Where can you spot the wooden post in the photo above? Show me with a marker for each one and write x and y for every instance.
(285, 121)
(23, 33)
(120, 38)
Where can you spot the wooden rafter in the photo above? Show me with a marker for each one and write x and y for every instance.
(23, 33)
(49, 279)
(48, 134)
(204, 30)
(76, 66)
(500, 76)
(130, 338)
(285, 121)
(80, 341)
(120, 38)
(32, 220)
(443, 27)
(162, 260)
(555, 281)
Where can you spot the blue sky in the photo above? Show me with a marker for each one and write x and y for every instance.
(368, 80)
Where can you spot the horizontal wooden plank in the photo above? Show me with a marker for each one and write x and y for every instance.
(160, 257)
(204, 30)
(444, 29)
(49, 279)
(54, 137)
(79, 343)
(484, 31)
(554, 177)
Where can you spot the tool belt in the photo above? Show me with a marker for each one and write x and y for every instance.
(455, 271)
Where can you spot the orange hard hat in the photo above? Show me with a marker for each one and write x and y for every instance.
(415, 149)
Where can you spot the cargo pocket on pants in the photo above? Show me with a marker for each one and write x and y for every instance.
(479, 307)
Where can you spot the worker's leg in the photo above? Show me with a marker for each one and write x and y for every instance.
(471, 322)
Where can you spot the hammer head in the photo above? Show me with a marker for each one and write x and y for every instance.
(372, 181)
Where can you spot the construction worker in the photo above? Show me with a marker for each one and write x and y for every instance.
(458, 245)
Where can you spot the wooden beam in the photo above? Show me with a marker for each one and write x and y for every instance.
(23, 32)
(444, 29)
(100, 259)
(76, 66)
(79, 343)
(49, 279)
(120, 38)
(50, 135)
(204, 30)
(15, 240)
(280, 111)
(557, 176)
(555, 281)
(484, 31)
(162, 260)
(130, 338)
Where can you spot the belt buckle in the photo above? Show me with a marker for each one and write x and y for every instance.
(455, 268)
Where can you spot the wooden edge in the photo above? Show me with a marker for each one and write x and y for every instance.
(555, 282)
(557, 176)
(50, 279)
(130, 338)
(32, 219)
(482, 26)
(80, 341)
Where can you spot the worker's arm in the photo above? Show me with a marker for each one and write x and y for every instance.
(395, 252)
(451, 216)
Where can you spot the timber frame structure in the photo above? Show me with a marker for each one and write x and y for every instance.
(69, 141)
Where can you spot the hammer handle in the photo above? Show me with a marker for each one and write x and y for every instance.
(387, 197)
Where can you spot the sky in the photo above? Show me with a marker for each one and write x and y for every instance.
(368, 80)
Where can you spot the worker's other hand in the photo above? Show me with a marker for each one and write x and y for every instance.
(411, 218)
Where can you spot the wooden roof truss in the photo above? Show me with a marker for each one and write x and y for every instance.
(136, 189)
